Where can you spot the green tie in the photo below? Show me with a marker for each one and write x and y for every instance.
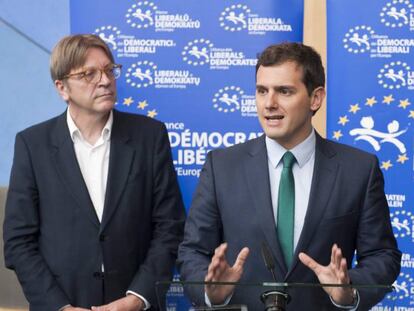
(286, 207)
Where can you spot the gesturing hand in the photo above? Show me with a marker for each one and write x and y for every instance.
(336, 272)
(220, 271)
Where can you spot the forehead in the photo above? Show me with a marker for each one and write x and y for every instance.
(281, 74)
(96, 57)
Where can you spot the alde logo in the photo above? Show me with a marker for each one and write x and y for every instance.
(197, 52)
(403, 287)
(230, 99)
(109, 34)
(396, 75)
(234, 18)
(396, 13)
(141, 14)
(402, 223)
(145, 15)
(239, 17)
(357, 39)
(140, 74)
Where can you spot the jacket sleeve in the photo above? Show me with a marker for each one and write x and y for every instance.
(21, 230)
(378, 258)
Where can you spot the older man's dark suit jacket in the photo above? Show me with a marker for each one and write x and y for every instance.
(53, 238)
(347, 206)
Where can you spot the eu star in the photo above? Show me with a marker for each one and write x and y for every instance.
(404, 103)
(337, 135)
(152, 113)
(371, 101)
(343, 120)
(354, 108)
(128, 101)
(388, 99)
(386, 165)
(142, 105)
(402, 158)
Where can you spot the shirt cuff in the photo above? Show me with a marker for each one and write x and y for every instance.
(352, 307)
(60, 309)
(146, 303)
(208, 302)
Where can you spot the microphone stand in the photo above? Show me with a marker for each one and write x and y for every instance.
(274, 300)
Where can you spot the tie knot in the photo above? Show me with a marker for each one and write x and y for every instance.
(288, 159)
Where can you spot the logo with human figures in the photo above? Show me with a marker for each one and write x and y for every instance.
(396, 75)
(402, 223)
(230, 99)
(140, 74)
(381, 125)
(110, 35)
(376, 138)
(141, 14)
(403, 287)
(197, 52)
(396, 14)
(234, 18)
(358, 39)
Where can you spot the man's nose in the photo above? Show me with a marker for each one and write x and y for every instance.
(105, 79)
(271, 101)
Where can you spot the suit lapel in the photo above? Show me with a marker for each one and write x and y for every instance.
(68, 168)
(120, 162)
(324, 175)
(257, 176)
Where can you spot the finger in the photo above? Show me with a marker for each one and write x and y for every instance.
(309, 262)
(344, 272)
(241, 258)
(338, 258)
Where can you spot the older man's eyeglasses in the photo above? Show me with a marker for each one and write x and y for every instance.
(94, 75)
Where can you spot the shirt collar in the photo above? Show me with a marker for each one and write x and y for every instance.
(302, 152)
(75, 132)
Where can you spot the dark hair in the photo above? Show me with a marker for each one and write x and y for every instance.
(305, 56)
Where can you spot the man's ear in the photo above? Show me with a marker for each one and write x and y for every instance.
(63, 89)
(317, 97)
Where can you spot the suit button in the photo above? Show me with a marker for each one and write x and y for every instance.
(102, 237)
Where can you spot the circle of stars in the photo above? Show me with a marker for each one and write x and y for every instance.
(132, 9)
(401, 3)
(358, 29)
(385, 69)
(233, 8)
(129, 78)
(220, 92)
(197, 43)
(103, 32)
(370, 102)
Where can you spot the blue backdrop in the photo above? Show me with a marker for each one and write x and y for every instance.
(371, 84)
(190, 64)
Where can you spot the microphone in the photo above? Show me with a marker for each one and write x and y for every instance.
(268, 259)
(274, 300)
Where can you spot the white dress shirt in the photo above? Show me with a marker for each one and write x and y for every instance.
(93, 162)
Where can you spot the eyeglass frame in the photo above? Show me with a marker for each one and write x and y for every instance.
(110, 76)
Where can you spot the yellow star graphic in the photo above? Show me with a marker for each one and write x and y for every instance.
(371, 101)
(386, 165)
(343, 120)
(128, 101)
(411, 115)
(337, 135)
(152, 113)
(404, 103)
(354, 108)
(402, 158)
(388, 99)
(142, 105)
